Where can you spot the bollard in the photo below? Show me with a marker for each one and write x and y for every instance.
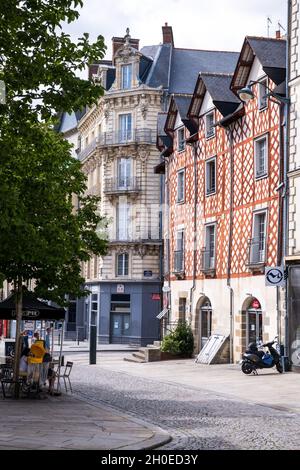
(62, 362)
(93, 344)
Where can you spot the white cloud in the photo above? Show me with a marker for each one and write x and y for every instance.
(198, 24)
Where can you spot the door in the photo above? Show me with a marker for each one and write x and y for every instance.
(124, 173)
(119, 327)
(125, 127)
(206, 320)
(254, 326)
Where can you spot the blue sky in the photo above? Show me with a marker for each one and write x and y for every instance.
(198, 24)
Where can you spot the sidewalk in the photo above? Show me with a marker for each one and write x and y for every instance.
(83, 346)
(66, 422)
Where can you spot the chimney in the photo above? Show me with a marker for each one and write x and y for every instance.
(119, 42)
(278, 34)
(167, 34)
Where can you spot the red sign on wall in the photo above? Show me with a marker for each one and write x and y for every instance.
(155, 296)
(255, 304)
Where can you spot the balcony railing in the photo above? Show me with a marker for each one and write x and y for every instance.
(82, 154)
(147, 136)
(256, 251)
(208, 261)
(178, 261)
(127, 136)
(122, 185)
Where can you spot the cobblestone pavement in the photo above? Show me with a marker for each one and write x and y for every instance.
(196, 419)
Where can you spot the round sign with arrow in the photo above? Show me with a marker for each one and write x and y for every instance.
(274, 276)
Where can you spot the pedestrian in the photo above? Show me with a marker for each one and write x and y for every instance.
(25, 341)
(36, 336)
(47, 339)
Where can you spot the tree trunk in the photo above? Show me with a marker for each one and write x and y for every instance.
(19, 302)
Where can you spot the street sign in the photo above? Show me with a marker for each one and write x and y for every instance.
(274, 276)
(148, 273)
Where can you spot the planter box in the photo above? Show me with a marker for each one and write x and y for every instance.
(166, 356)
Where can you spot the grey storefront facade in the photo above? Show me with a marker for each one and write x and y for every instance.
(294, 315)
(116, 307)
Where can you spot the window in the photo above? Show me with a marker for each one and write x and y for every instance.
(179, 252)
(123, 222)
(260, 155)
(122, 264)
(124, 172)
(210, 176)
(126, 76)
(125, 127)
(182, 309)
(180, 185)
(210, 246)
(180, 140)
(209, 125)
(258, 242)
(262, 91)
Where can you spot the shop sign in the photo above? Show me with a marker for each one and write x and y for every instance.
(120, 288)
(275, 276)
(255, 304)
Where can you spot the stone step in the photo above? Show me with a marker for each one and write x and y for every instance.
(157, 344)
(139, 355)
(134, 359)
(152, 346)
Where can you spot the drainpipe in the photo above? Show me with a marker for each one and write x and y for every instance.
(192, 290)
(285, 176)
(230, 136)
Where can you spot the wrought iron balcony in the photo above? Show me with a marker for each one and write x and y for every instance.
(82, 154)
(131, 185)
(208, 261)
(256, 252)
(127, 137)
(178, 261)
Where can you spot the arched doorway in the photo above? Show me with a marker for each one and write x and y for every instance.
(252, 324)
(205, 322)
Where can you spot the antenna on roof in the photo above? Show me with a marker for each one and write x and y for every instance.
(269, 21)
(280, 26)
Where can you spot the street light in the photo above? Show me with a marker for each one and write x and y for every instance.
(246, 94)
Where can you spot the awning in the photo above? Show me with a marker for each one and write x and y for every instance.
(32, 309)
(162, 314)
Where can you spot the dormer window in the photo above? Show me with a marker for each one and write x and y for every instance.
(262, 91)
(126, 76)
(209, 125)
(181, 139)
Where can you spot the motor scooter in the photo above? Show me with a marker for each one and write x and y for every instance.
(254, 358)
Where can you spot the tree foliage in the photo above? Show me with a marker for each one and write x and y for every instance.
(180, 341)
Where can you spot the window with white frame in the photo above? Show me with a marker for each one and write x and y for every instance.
(262, 91)
(210, 176)
(180, 185)
(258, 242)
(124, 172)
(209, 125)
(123, 221)
(180, 139)
(125, 127)
(122, 264)
(179, 252)
(210, 246)
(126, 76)
(261, 156)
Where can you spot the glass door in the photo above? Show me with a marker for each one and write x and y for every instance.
(206, 322)
(124, 173)
(254, 326)
(125, 127)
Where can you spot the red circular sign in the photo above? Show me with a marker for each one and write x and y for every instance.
(255, 304)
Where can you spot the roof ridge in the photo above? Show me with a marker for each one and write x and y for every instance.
(203, 50)
(266, 39)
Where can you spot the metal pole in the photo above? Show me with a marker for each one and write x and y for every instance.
(59, 360)
(93, 344)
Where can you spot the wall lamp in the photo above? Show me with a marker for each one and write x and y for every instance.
(246, 94)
